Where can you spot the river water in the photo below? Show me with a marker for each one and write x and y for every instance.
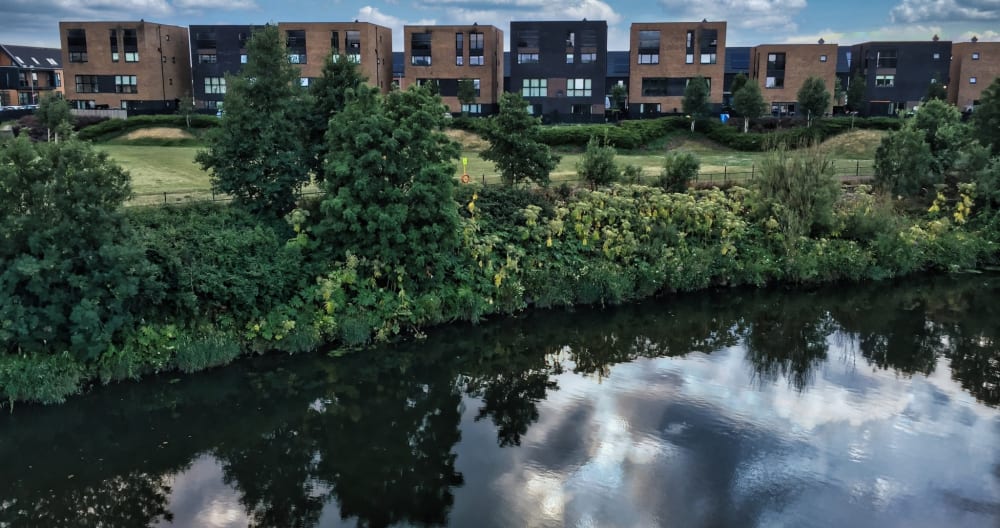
(871, 405)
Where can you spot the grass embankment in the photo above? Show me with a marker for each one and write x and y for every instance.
(161, 168)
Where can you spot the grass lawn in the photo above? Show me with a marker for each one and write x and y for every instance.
(156, 170)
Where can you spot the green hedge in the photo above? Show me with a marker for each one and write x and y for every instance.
(115, 127)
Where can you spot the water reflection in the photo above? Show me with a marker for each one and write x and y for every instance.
(734, 408)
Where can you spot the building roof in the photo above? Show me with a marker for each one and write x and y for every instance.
(737, 59)
(33, 57)
(618, 64)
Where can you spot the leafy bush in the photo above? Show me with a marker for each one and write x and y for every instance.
(903, 162)
(679, 168)
(42, 378)
(798, 190)
(597, 166)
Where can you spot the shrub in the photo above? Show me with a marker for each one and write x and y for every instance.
(42, 378)
(597, 166)
(903, 162)
(797, 189)
(109, 128)
(679, 168)
(631, 174)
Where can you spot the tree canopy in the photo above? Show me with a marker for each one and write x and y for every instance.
(986, 117)
(515, 144)
(749, 103)
(329, 96)
(696, 101)
(813, 98)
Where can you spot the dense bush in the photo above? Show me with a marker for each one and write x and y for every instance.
(679, 169)
(597, 166)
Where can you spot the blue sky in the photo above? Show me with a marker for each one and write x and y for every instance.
(35, 22)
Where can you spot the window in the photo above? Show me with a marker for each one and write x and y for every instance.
(86, 84)
(885, 59)
(206, 58)
(775, 62)
(588, 58)
(936, 56)
(689, 41)
(131, 42)
(527, 58)
(207, 40)
(76, 43)
(114, 46)
(578, 88)
(215, 85)
(580, 109)
(335, 43)
(297, 58)
(689, 58)
(420, 49)
(649, 47)
(125, 84)
(295, 38)
(527, 38)
(304, 82)
(822, 58)
(709, 58)
(58, 80)
(534, 87)
(472, 108)
(476, 46)
(649, 108)
(459, 48)
(570, 39)
(243, 58)
(774, 82)
(972, 80)
(475, 85)
(885, 81)
(655, 87)
(354, 46)
(569, 58)
(975, 56)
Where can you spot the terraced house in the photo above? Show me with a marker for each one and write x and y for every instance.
(974, 65)
(897, 74)
(445, 55)
(138, 66)
(781, 69)
(27, 73)
(666, 56)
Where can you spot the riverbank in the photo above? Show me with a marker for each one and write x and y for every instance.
(223, 284)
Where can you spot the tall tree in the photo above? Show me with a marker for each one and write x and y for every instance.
(738, 82)
(748, 103)
(186, 108)
(257, 154)
(53, 112)
(813, 99)
(936, 90)
(986, 117)
(618, 95)
(856, 94)
(329, 96)
(696, 100)
(515, 145)
(390, 180)
(466, 92)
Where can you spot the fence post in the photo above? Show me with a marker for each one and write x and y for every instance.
(725, 173)
(857, 169)
(753, 169)
(164, 197)
(213, 195)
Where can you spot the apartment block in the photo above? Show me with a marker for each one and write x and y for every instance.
(366, 44)
(216, 51)
(897, 74)
(974, 66)
(27, 73)
(780, 70)
(666, 55)
(138, 66)
(448, 54)
(560, 67)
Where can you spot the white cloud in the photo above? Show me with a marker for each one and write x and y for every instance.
(903, 32)
(946, 10)
(216, 4)
(762, 16)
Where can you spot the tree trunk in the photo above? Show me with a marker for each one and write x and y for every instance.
(692, 126)
(746, 124)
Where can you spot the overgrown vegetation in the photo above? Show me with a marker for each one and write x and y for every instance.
(515, 143)
(679, 169)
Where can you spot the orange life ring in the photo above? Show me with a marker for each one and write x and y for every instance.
(465, 178)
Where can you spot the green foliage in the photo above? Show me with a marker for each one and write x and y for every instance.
(813, 98)
(631, 174)
(936, 90)
(597, 167)
(187, 109)
(903, 162)
(856, 94)
(932, 117)
(329, 96)
(43, 377)
(696, 102)
(738, 83)
(71, 278)
(515, 141)
(748, 103)
(196, 353)
(466, 92)
(988, 184)
(986, 117)
(53, 112)
(390, 183)
(110, 128)
(263, 103)
(618, 96)
(798, 190)
(679, 169)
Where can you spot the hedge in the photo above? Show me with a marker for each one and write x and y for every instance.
(116, 127)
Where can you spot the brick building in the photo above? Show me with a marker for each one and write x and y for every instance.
(447, 54)
(139, 66)
(666, 55)
(974, 66)
(367, 44)
(780, 70)
(560, 67)
(27, 73)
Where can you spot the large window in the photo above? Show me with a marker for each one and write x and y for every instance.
(649, 47)
(207, 58)
(459, 48)
(588, 58)
(885, 81)
(885, 59)
(535, 87)
(420, 49)
(114, 45)
(472, 108)
(578, 88)
(663, 86)
(215, 85)
(475, 86)
(476, 49)
(774, 82)
(354, 46)
(76, 43)
(296, 44)
(775, 62)
(527, 58)
(131, 44)
(126, 84)
(86, 84)
(335, 43)
(709, 58)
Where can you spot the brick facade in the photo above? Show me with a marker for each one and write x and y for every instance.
(437, 58)
(374, 48)
(979, 61)
(780, 70)
(28, 73)
(660, 69)
(157, 61)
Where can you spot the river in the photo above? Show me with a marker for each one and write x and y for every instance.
(861, 406)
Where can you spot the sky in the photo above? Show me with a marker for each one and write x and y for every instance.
(750, 22)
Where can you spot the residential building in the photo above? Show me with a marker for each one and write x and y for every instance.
(27, 73)
(618, 68)
(897, 74)
(974, 66)
(216, 51)
(737, 62)
(139, 66)
(844, 59)
(560, 67)
(666, 56)
(780, 70)
(366, 44)
(447, 54)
